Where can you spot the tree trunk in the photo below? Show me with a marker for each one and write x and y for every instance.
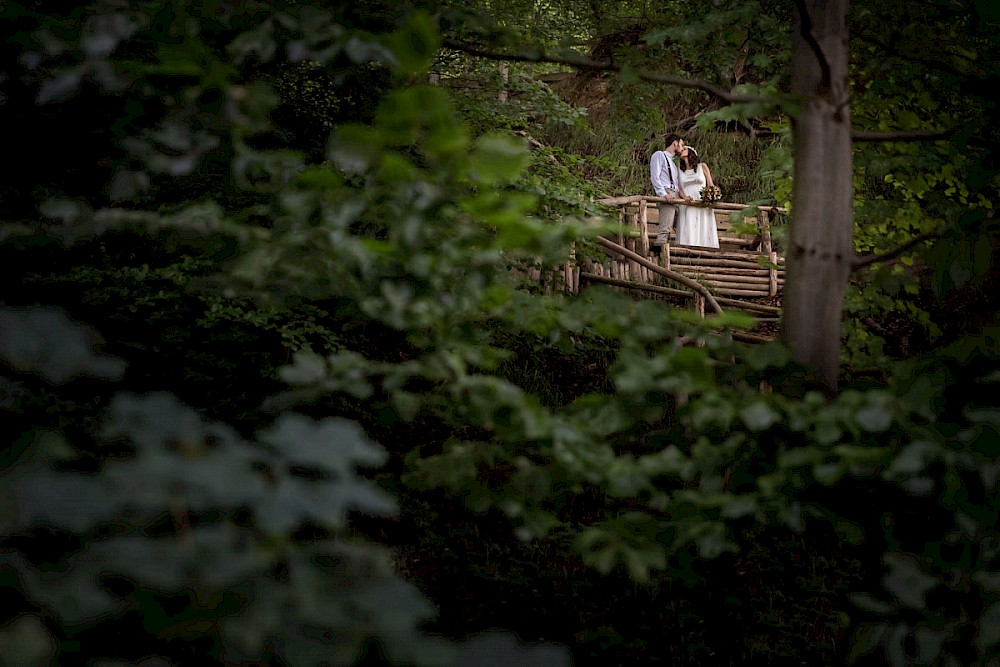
(821, 246)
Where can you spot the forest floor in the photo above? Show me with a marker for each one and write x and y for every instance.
(781, 600)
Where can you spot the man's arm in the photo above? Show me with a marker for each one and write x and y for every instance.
(656, 164)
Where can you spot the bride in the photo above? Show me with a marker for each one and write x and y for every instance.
(695, 224)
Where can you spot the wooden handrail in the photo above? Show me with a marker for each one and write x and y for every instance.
(673, 275)
(724, 206)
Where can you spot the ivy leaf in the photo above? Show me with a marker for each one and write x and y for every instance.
(759, 416)
(47, 342)
(33, 493)
(25, 642)
(876, 416)
(307, 368)
(914, 458)
(61, 87)
(907, 582)
(332, 444)
(178, 451)
(73, 595)
(290, 501)
(211, 556)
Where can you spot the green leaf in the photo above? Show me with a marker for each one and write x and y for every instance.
(363, 51)
(876, 416)
(759, 416)
(307, 368)
(355, 150)
(914, 457)
(869, 603)
(736, 507)
(40, 495)
(989, 628)
(74, 595)
(47, 342)
(417, 43)
(907, 581)
(333, 444)
(211, 556)
(497, 159)
(867, 638)
(26, 642)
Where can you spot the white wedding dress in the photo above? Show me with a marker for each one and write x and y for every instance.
(696, 225)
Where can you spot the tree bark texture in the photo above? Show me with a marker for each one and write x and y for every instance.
(821, 245)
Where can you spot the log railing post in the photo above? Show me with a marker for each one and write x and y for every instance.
(699, 303)
(630, 244)
(504, 79)
(643, 247)
(767, 249)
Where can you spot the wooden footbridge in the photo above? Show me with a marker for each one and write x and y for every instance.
(745, 273)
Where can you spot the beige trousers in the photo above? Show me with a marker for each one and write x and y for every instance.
(668, 214)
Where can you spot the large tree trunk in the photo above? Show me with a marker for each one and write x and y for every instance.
(821, 246)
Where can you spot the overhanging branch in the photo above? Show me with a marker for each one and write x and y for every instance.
(901, 135)
(585, 63)
(868, 260)
(589, 64)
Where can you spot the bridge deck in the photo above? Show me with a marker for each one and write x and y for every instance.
(743, 270)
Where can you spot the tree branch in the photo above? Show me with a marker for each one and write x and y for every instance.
(868, 260)
(589, 64)
(585, 63)
(809, 38)
(901, 135)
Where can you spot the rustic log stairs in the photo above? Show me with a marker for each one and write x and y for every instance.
(743, 272)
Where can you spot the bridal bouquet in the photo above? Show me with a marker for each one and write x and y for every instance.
(711, 193)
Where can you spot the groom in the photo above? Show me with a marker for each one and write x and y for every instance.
(666, 178)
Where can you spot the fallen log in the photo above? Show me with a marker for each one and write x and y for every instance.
(757, 294)
(655, 289)
(748, 305)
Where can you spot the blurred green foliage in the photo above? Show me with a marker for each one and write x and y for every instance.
(280, 209)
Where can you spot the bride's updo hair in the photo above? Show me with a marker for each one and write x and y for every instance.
(691, 161)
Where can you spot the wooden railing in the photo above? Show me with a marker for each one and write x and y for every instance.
(745, 266)
(742, 273)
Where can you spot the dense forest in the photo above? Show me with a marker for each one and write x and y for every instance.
(276, 390)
